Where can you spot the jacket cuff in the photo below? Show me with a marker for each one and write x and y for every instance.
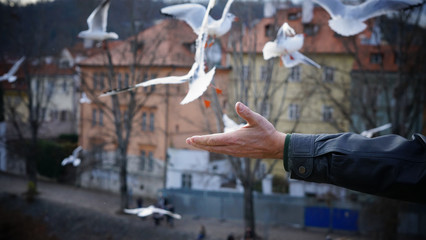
(285, 153)
(300, 155)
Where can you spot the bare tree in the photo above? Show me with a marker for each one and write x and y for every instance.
(138, 56)
(262, 85)
(37, 92)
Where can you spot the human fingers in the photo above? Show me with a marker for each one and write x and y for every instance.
(247, 114)
(218, 139)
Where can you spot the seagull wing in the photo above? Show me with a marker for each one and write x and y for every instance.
(227, 7)
(76, 151)
(164, 80)
(296, 58)
(97, 21)
(333, 7)
(230, 125)
(133, 211)
(166, 212)
(15, 67)
(145, 212)
(374, 8)
(191, 13)
(198, 86)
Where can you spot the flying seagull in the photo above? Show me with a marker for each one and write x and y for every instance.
(230, 125)
(97, 22)
(84, 98)
(369, 133)
(198, 79)
(73, 158)
(348, 20)
(144, 212)
(286, 46)
(10, 76)
(193, 15)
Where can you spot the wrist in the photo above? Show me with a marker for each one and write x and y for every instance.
(280, 141)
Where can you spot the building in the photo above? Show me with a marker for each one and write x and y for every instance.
(301, 99)
(160, 122)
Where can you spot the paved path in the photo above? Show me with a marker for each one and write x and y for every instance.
(108, 203)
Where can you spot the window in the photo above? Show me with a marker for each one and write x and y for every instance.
(144, 121)
(310, 29)
(151, 122)
(95, 80)
(145, 78)
(63, 116)
(50, 87)
(126, 80)
(293, 112)
(101, 117)
(293, 16)
(327, 113)
(269, 31)
(154, 75)
(295, 74)
(245, 72)
(328, 74)
(64, 86)
(101, 81)
(186, 180)
(142, 160)
(263, 72)
(93, 117)
(119, 81)
(376, 58)
(150, 161)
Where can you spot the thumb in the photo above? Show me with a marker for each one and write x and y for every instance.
(252, 118)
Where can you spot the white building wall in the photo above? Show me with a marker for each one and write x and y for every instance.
(205, 175)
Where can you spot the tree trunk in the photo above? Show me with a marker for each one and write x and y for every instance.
(31, 165)
(249, 209)
(123, 181)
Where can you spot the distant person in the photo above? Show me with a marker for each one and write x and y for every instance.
(170, 219)
(389, 166)
(139, 202)
(230, 237)
(248, 234)
(202, 233)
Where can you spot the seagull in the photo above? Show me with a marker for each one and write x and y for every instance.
(84, 98)
(193, 15)
(369, 133)
(198, 79)
(97, 22)
(230, 125)
(73, 158)
(286, 46)
(144, 212)
(10, 76)
(348, 20)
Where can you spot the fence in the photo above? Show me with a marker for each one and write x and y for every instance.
(280, 209)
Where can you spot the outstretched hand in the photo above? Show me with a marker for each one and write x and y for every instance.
(257, 139)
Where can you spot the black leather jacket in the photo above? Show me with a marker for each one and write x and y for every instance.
(389, 166)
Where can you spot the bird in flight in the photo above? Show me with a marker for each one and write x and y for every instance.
(97, 23)
(10, 75)
(286, 46)
(197, 78)
(144, 212)
(74, 159)
(348, 20)
(193, 15)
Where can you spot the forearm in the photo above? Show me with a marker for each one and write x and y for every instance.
(388, 166)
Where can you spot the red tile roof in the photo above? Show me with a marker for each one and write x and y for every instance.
(164, 44)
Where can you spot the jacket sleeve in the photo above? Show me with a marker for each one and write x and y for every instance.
(389, 166)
